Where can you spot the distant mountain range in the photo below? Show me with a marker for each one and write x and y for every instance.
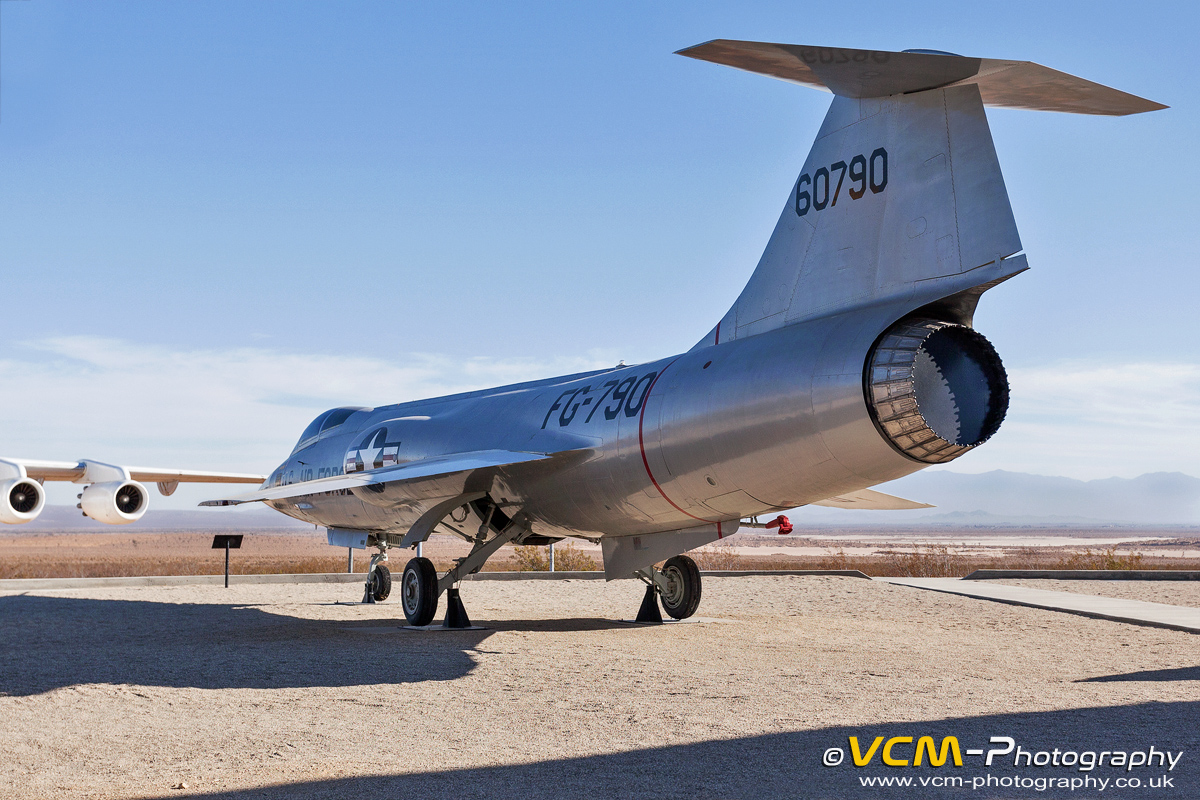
(69, 518)
(987, 499)
(1018, 498)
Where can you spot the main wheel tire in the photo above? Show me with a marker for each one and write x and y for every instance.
(682, 596)
(419, 591)
(381, 583)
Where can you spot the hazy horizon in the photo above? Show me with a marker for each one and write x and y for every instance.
(999, 498)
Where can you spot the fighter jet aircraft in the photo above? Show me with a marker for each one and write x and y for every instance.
(848, 360)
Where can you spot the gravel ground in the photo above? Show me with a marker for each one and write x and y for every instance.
(1175, 593)
(281, 692)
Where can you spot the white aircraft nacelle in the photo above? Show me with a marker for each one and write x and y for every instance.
(114, 503)
(21, 500)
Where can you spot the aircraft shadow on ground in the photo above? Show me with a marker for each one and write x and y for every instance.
(1165, 675)
(788, 765)
(49, 643)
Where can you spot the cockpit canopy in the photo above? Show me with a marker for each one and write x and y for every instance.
(320, 426)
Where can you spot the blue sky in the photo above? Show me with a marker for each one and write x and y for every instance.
(218, 219)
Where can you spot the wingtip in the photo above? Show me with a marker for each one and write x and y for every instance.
(687, 51)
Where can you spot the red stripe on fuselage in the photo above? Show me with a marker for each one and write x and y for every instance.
(642, 447)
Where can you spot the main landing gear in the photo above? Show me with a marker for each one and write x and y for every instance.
(419, 597)
(419, 592)
(676, 585)
(420, 586)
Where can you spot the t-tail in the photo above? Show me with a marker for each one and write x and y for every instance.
(901, 200)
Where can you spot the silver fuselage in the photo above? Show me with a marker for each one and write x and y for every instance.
(759, 424)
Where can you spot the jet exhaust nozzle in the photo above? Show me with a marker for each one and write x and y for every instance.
(935, 389)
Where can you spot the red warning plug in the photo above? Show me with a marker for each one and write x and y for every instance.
(781, 522)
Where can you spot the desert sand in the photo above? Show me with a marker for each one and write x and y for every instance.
(288, 691)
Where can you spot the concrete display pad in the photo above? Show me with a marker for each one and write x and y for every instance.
(277, 692)
(1086, 574)
(672, 621)
(437, 626)
(1136, 612)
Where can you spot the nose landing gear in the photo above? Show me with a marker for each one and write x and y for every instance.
(379, 577)
(381, 583)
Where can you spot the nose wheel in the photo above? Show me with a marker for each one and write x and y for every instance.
(379, 578)
(381, 583)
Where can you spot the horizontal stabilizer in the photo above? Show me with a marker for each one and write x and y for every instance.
(870, 500)
(880, 73)
(412, 470)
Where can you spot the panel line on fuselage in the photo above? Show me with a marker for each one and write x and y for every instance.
(642, 446)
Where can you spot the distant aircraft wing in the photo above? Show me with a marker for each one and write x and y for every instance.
(79, 471)
(410, 471)
(872, 501)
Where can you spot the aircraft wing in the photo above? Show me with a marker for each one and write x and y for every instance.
(410, 471)
(114, 494)
(78, 471)
(871, 500)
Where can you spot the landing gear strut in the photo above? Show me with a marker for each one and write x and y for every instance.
(421, 587)
(677, 585)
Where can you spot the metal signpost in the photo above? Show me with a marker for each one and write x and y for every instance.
(227, 541)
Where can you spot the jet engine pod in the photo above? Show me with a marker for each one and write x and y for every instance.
(114, 503)
(935, 389)
(21, 500)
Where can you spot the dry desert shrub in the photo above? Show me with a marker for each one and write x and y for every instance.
(135, 567)
(718, 555)
(934, 561)
(838, 560)
(1105, 559)
(174, 553)
(567, 558)
(531, 558)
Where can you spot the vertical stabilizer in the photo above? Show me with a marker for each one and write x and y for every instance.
(901, 198)
(897, 194)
